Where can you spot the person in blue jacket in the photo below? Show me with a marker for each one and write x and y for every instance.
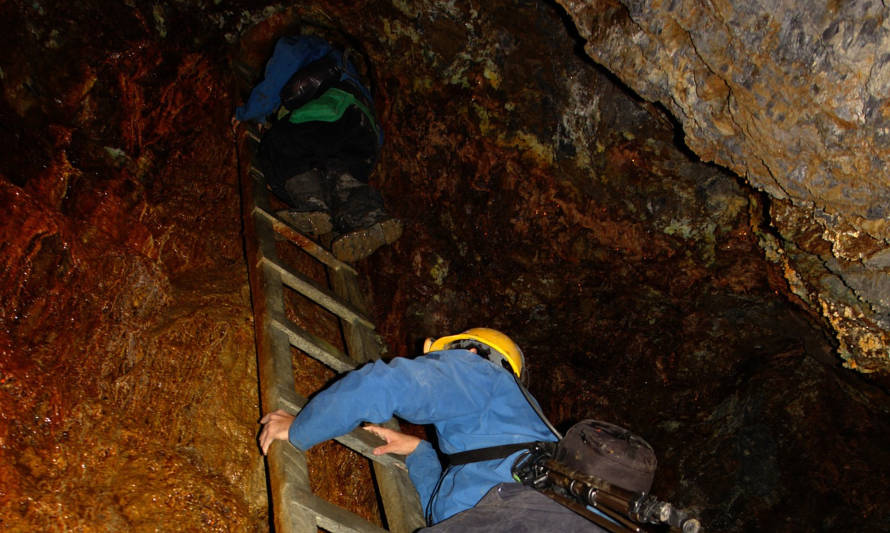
(322, 145)
(466, 387)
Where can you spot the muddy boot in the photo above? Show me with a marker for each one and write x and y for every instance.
(360, 243)
(360, 219)
(309, 199)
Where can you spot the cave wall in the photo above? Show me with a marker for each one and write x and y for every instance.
(127, 371)
(793, 96)
(540, 196)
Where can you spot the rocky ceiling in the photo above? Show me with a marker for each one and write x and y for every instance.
(677, 208)
(794, 98)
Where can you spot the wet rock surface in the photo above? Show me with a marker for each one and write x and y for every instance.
(539, 196)
(127, 372)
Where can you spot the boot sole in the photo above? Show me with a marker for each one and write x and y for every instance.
(311, 223)
(361, 243)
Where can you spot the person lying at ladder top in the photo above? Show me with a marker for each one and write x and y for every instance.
(466, 386)
(322, 146)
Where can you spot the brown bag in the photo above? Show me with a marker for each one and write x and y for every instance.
(610, 453)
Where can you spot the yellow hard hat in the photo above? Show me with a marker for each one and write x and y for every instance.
(502, 347)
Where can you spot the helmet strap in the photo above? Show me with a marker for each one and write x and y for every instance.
(483, 350)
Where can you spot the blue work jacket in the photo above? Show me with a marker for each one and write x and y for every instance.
(290, 55)
(471, 402)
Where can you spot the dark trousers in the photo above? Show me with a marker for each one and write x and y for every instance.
(349, 144)
(515, 508)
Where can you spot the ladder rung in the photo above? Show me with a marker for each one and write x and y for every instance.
(291, 406)
(335, 519)
(361, 442)
(314, 346)
(252, 135)
(321, 296)
(364, 442)
(257, 173)
(311, 247)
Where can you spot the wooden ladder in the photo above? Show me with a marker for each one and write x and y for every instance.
(294, 507)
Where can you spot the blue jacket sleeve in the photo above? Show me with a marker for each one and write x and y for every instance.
(411, 389)
(290, 55)
(472, 403)
(424, 470)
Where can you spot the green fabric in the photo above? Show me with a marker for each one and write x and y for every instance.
(329, 107)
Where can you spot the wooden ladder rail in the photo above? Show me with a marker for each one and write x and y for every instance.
(294, 508)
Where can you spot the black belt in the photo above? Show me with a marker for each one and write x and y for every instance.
(487, 454)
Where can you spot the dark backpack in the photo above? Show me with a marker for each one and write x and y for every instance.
(610, 453)
(334, 69)
(590, 447)
(315, 78)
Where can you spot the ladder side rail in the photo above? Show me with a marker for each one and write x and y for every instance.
(287, 468)
(401, 503)
(288, 472)
(294, 507)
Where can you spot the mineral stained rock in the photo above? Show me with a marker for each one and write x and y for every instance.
(795, 97)
(127, 367)
(539, 196)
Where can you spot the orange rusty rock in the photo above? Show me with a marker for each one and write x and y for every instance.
(127, 380)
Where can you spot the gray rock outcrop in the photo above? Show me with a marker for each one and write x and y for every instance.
(795, 98)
